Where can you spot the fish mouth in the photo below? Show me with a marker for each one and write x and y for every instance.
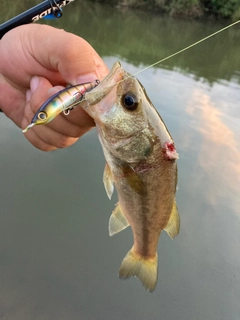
(115, 76)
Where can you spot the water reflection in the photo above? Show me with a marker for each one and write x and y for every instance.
(139, 38)
(218, 153)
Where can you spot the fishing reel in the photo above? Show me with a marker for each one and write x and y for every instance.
(56, 9)
(58, 13)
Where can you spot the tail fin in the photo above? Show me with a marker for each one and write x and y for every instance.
(144, 268)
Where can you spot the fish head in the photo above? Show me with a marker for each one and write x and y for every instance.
(120, 112)
(127, 122)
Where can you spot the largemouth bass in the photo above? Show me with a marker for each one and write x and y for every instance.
(141, 163)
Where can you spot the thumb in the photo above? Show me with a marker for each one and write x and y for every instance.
(73, 57)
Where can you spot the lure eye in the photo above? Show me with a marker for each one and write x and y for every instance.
(42, 115)
(130, 101)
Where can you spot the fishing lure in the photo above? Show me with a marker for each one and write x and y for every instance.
(62, 101)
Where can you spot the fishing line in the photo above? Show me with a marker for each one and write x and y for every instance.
(188, 47)
(176, 53)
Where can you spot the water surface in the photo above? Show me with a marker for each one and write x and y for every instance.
(56, 258)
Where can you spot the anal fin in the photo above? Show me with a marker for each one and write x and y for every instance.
(117, 221)
(173, 226)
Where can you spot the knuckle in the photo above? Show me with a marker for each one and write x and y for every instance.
(64, 142)
(41, 145)
(47, 148)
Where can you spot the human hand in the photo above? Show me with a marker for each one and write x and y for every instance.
(36, 61)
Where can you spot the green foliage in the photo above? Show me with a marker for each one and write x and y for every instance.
(183, 4)
(236, 14)
(223, 8)
(191, 8)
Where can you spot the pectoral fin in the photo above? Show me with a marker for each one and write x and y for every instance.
(108, 181)
(173, 225)
(133, 179)
(117, 221)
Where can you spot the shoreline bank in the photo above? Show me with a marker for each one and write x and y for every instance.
(211, 9)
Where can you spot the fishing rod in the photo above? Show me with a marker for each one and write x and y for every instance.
(45, 9)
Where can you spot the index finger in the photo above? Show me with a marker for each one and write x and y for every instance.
(67, 53)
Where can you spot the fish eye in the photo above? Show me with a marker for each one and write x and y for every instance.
(42, 115)
(130, 101)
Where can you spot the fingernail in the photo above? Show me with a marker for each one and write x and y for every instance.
(54, 90)
(90, 77)
(28, 95)
(34, 83)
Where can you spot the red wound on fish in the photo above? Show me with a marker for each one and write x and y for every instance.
(170, 151)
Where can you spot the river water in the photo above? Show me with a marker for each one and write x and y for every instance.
(56, 258)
